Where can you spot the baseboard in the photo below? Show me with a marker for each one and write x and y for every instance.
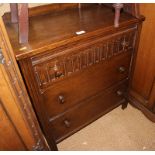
(150, 115)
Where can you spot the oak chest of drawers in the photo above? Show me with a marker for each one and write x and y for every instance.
(74, 79)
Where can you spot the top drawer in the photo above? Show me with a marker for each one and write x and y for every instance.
(54, 66)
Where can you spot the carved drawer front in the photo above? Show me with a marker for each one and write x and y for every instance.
(57, 65)
(91, 81)
(83, 114)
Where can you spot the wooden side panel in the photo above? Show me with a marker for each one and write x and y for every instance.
(8, 132)
(144, 73)
(142, 92)
(16, 101)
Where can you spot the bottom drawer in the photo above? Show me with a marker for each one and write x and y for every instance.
(88, 111)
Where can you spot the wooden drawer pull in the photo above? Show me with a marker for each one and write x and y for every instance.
(58, 74)
(121, 69)
(119, 93)
(67, 123)
(61, 99)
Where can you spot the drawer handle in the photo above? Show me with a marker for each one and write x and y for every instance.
(61, 99)
(58, 74)
(67, 123)
(121, 69)
(119, 93)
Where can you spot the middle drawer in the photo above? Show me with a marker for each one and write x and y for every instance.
(80, 86)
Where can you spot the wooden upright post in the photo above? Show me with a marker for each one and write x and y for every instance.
(14, 12)
(118, 7)
(23, 22)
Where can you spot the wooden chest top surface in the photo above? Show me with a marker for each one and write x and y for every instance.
(54, 29)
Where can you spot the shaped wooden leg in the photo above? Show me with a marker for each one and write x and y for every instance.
(118, 7)
(124, 105)
(23, 22)
(14, 12)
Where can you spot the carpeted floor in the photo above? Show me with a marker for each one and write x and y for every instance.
(117, 130)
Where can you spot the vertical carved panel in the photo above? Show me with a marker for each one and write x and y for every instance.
(97, 54)
(41, 75)
(110, 49)
(103, 52)
(76, 63)
(69, 65)
(51, 72)
(90, 58)
(116, 46)
(83, 57)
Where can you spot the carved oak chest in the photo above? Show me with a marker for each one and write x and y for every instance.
(76, 66)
